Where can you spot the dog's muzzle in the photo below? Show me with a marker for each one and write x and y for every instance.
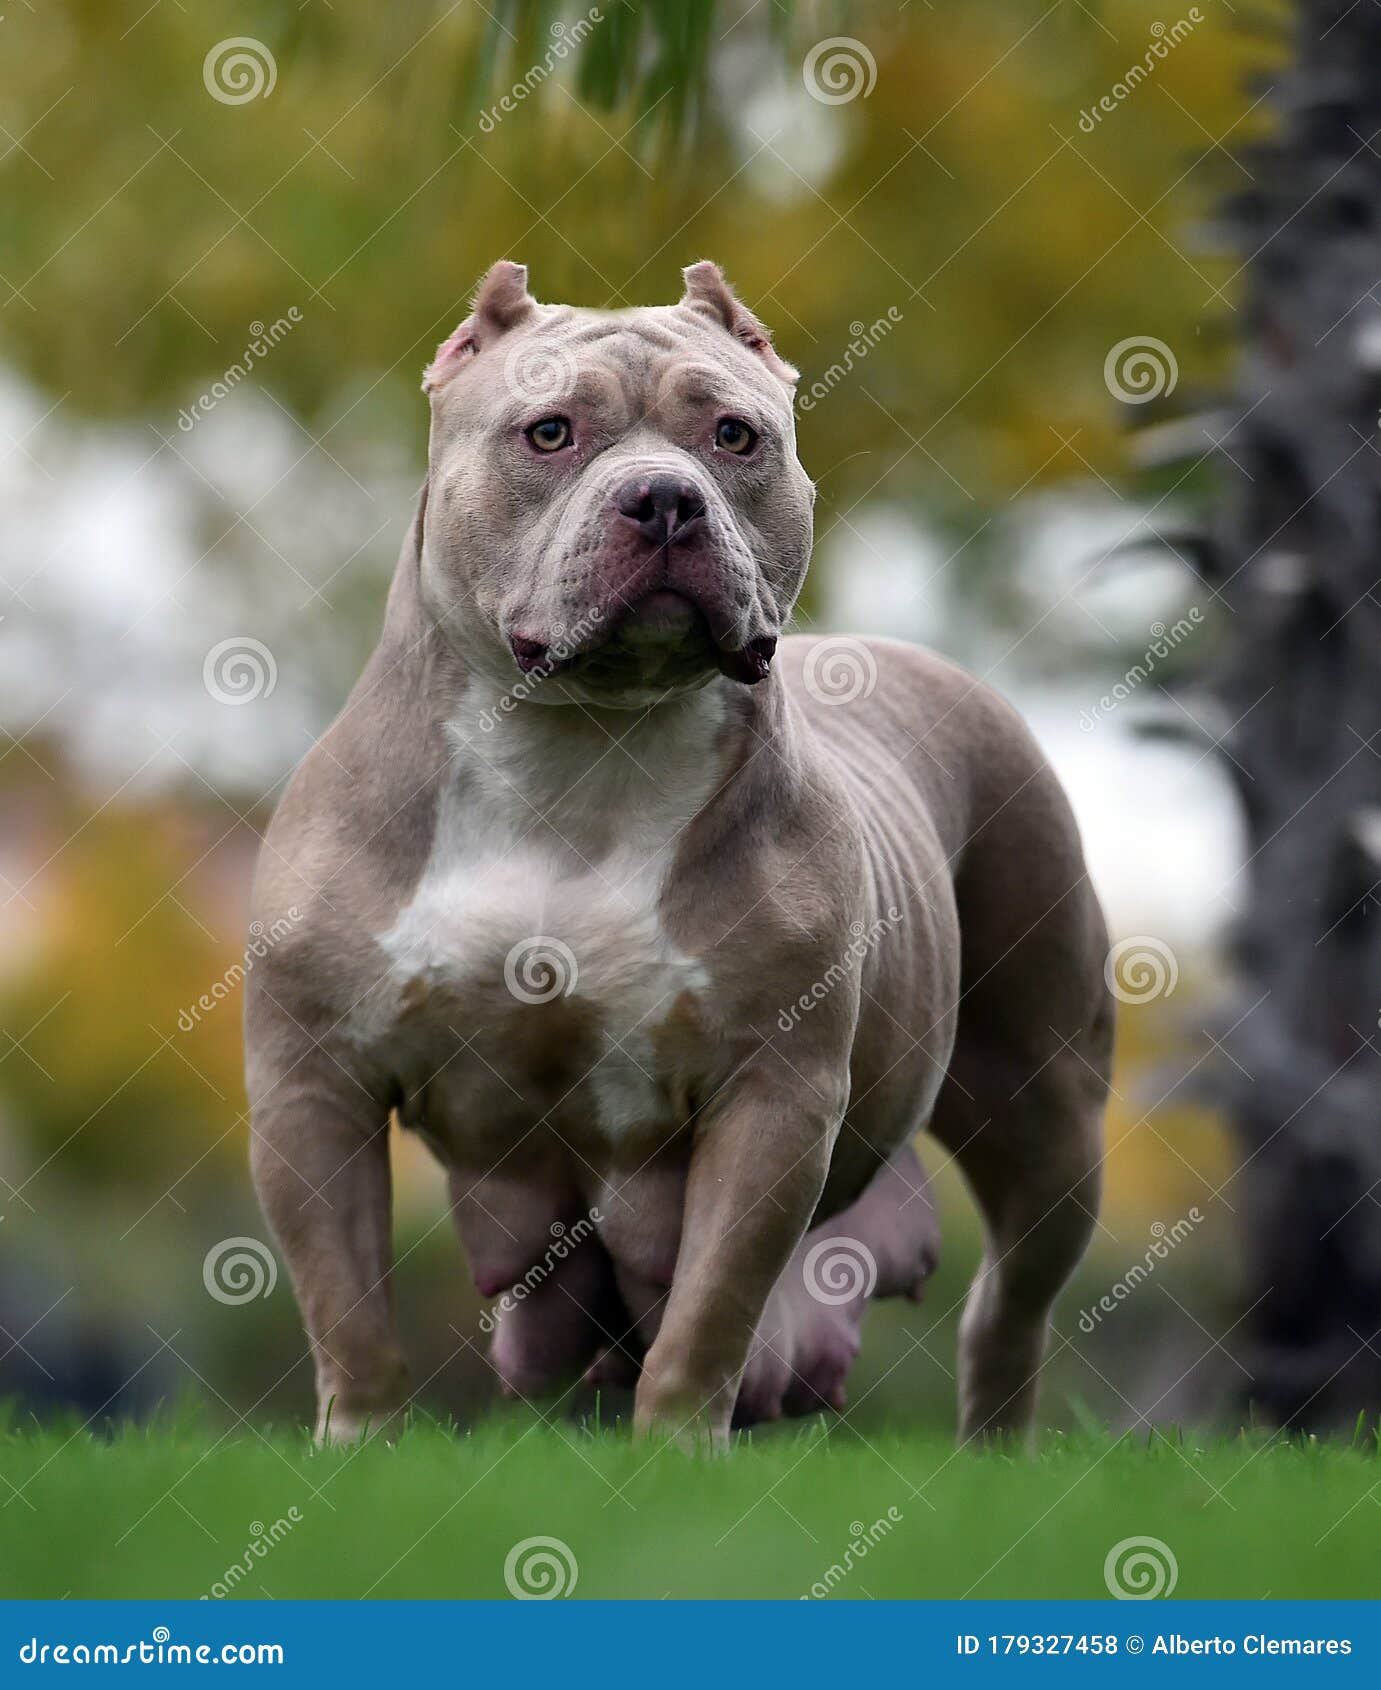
(667, 606)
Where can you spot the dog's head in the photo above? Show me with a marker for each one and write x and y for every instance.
(615, 506)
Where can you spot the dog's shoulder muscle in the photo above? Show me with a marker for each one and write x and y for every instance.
(349, 839)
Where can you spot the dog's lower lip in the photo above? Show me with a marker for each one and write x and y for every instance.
(663, 604)
(528, 654)
(750, 663)
(662, 616)
(656, 616)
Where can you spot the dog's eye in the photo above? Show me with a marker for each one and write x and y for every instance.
(734, 435)
(551, 434)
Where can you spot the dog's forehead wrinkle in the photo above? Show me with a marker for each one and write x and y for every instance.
(654, 334)
(638, 340)
(660, 325)
(649, 369)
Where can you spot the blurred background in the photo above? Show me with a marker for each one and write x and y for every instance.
(1010, 247)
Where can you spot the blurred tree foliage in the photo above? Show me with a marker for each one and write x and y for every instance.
(145, 225)
(114, 1060)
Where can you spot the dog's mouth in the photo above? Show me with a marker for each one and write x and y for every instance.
(662, 640)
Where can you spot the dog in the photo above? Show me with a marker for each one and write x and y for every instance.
(667, 933)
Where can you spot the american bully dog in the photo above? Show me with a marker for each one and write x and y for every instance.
(667, 933)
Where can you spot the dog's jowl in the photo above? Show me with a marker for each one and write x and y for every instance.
(668, 932)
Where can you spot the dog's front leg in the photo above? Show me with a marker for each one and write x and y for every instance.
(757, 1169)
(319, 1155)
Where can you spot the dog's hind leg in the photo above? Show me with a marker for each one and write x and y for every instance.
(1021, 1108)
(1023, 1118)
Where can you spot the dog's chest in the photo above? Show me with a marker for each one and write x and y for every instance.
(531, 976)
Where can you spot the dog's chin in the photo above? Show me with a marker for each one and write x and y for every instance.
(662, 646)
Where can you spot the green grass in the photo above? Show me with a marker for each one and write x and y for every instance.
(165, 1512)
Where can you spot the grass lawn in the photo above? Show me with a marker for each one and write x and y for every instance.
(170, 1511)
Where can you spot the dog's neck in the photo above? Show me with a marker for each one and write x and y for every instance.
(590, 779)
(596, 779)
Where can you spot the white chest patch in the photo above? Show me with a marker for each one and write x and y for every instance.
(525, 900)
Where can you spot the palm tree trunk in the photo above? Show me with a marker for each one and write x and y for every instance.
(1297, 571)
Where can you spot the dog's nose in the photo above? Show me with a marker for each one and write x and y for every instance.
(665, 509)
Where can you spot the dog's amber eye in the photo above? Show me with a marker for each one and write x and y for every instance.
(551, 434)
(734, 435)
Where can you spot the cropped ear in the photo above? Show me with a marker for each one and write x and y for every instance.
(501, 304)
(709, 294)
